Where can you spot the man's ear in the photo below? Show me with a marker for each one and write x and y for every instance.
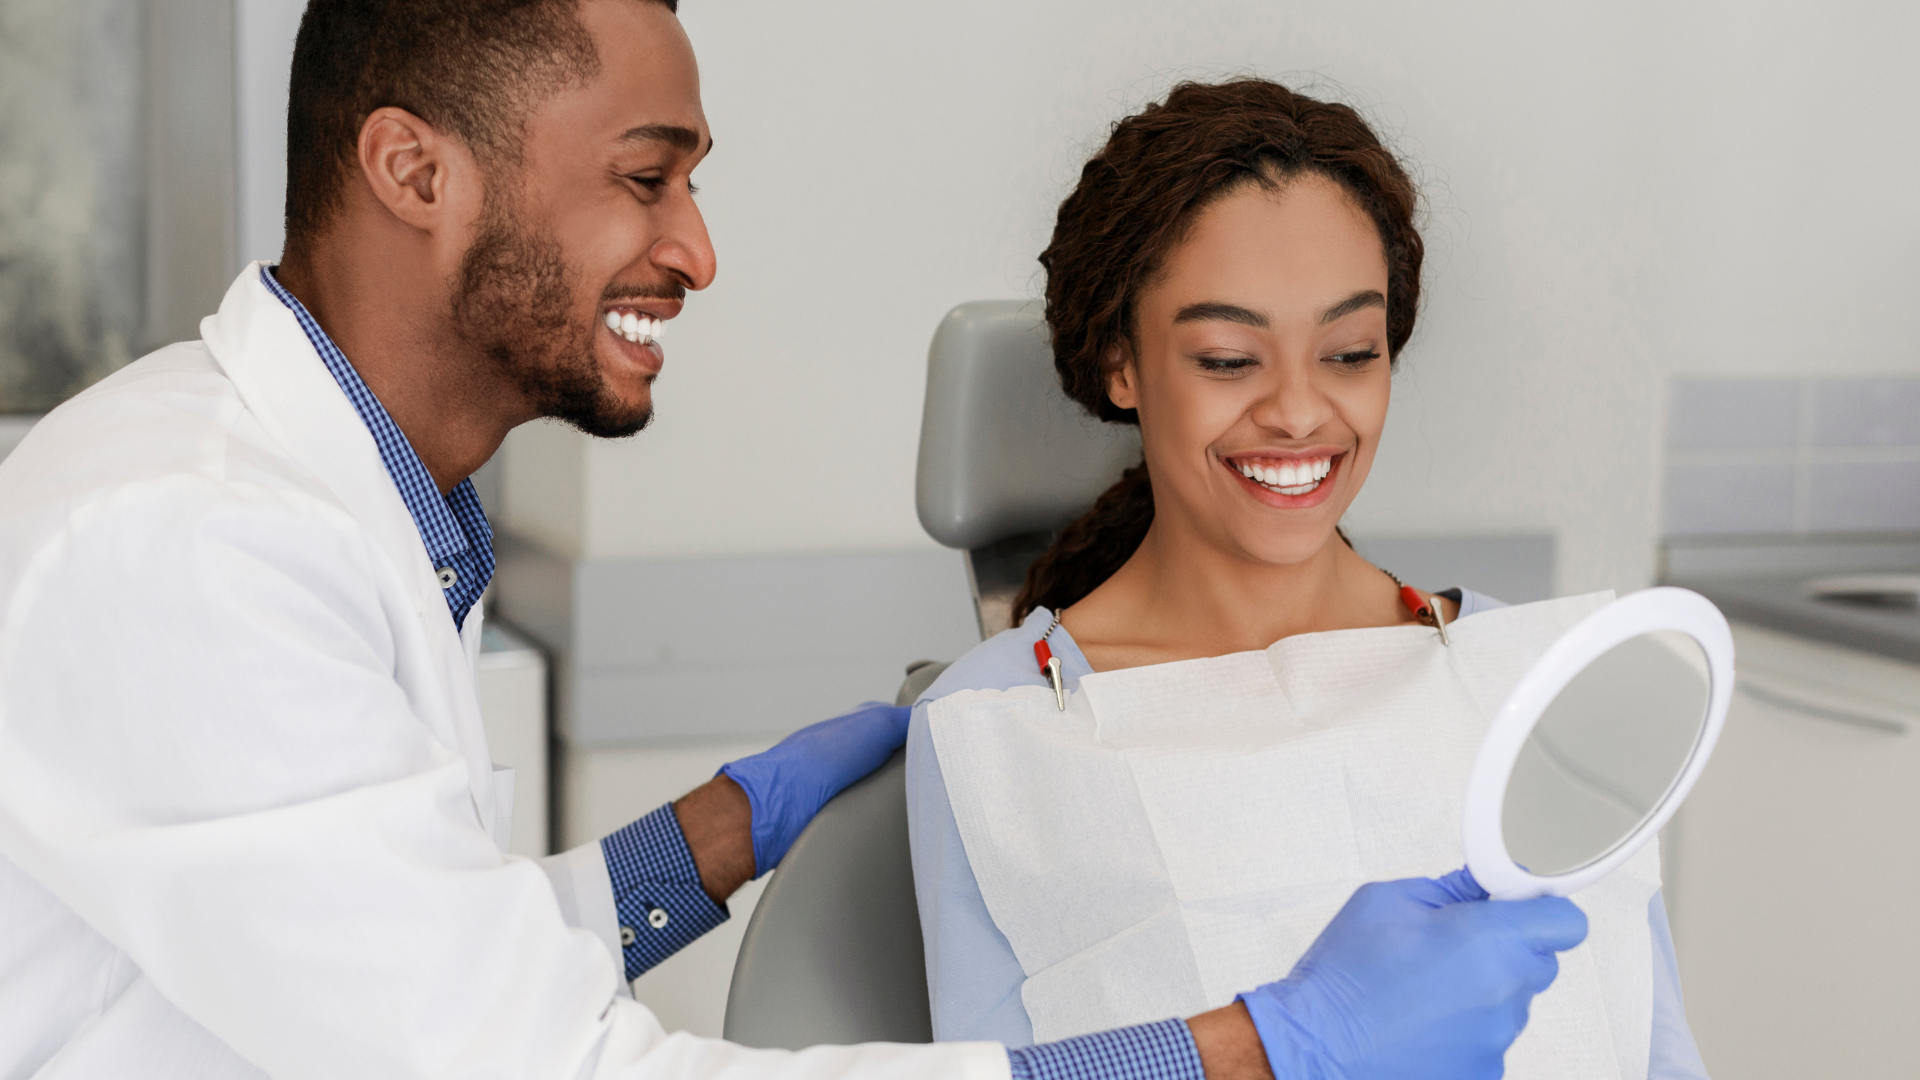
(1123, 379)
(411, 167)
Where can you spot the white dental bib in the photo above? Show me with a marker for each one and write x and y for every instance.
(1184, 831)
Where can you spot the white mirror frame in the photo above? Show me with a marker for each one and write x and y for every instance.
(1663, 608)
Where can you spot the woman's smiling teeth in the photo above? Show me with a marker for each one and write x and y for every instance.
(636, 327)
(1293, 477)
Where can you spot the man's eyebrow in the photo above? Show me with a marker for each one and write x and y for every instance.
(680, 138)
(1360, 301)
(1215, 311)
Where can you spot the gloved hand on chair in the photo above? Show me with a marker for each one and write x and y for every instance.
(787, 785)
(1415, 978)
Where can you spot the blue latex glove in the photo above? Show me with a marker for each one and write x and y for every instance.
(789, 784)
(1414, 979)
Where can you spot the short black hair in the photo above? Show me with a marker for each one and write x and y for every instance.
(472, 68)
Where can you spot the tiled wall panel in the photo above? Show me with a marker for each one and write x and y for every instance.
(1866, 412)
(1713, 498)
(1867, 496)
(1720, 413)
(1793, 456)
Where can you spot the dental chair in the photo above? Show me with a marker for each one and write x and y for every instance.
(833, 952)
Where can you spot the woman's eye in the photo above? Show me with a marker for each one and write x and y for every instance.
(1224, 364)
(1355, 360)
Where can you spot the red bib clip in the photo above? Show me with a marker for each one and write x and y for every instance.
(1050, 665)
(1427, 612)
(1410, 596)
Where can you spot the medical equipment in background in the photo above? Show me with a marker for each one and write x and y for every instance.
(1798, 854)
(833, 952)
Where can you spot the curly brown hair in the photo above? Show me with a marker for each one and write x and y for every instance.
(1136, 201)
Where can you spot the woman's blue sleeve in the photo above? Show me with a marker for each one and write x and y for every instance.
(973, 977)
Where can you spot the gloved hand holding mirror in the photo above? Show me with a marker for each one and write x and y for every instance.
(1598, 744)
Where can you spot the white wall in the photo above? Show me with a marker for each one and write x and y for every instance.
(263, 33)
(1618, 191)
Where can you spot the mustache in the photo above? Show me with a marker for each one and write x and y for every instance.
(665, 290)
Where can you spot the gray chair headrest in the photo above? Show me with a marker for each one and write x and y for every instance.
(1002, 450)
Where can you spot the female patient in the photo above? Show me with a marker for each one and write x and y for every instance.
(1236, 273)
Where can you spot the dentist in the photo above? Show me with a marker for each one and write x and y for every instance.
(248, 824)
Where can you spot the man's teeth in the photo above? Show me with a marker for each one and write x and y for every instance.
(636, 327)
(1288, 477)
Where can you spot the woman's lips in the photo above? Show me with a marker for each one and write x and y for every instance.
(1289, 483)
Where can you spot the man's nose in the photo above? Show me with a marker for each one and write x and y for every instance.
(684, 249)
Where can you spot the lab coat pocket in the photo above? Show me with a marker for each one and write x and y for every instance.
(502, 823)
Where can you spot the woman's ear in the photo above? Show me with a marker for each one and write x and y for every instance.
(1123, 379)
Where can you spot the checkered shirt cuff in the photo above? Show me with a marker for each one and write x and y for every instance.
(1162, 1051)
(656, 891)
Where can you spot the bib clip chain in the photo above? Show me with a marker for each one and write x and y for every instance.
(1050, 664)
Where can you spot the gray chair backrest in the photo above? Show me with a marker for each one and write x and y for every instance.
(1006, 459)
(833, 952)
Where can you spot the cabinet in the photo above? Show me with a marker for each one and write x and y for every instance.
(1794, 869)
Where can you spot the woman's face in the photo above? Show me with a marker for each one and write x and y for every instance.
(1262, 376)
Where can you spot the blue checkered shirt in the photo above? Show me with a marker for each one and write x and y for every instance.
(656, 886)
(1162, 1051)
(453, 527)
(656, 891)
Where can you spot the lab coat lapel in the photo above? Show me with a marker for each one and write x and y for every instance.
(259, 344)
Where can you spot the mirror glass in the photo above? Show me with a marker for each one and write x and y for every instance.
(1605, 752)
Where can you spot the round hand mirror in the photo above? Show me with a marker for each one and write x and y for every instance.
(1598, 744)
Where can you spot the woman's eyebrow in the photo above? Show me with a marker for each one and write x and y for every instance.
(1360, 301)
(1214, 311)
(1219, 311)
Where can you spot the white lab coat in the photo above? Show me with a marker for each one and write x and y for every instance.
(245, 798)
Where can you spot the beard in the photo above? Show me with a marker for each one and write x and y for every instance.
(514, 301)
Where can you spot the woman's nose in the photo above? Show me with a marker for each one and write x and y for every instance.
(1292, 407)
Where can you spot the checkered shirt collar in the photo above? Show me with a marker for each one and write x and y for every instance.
(438, 518)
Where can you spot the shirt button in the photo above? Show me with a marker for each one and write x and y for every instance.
(627, 936)
(448, 575)
(658, 918)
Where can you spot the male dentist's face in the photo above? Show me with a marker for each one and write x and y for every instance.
(597, 219)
